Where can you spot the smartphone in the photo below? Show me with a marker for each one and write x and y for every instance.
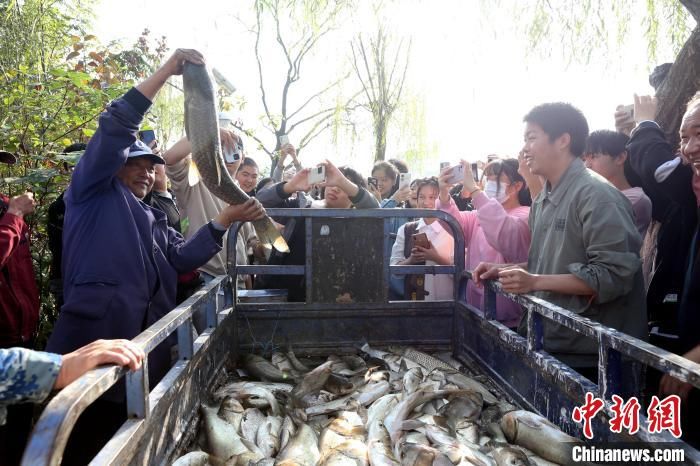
(457, 174)
(284, 139)
(475, 172)
(443, 165)
(404, 180)
(421, 239)
(372, 181)
(232, 156)
(147, 136)
(317, 175)
(629, 109)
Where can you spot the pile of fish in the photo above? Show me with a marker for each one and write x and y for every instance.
(396, 407)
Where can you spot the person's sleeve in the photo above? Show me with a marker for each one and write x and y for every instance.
(612, 248)
(398, 247)
(27, 375)
(108, 148)
(11, 227)
(388, 204)
(364, 200)
(186, 255)
(648, 150)
(277, 172)
(177, 173)
(275, 197)
(465, 219)
(507, 234)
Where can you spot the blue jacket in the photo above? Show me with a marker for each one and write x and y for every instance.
(120, 258)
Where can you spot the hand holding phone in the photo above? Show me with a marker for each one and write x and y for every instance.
(421, 239)
(373, 183)
(317, 175)
(457, 174)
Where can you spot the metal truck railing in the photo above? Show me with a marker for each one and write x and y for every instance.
(518, 364)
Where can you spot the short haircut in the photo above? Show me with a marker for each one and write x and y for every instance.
(399, 164)
(560, 118)
(388, 169)
(509, 167)
(248, 162)
(606, 142)
(695, 100)
(354, 176)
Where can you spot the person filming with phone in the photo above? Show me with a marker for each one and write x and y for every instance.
(425, 242)
(497, 230)
(342, 188)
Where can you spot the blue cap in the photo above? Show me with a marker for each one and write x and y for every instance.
(140, 149)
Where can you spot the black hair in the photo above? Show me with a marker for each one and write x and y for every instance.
(75, 147)
(657, 77)
(263, 182)
(354, 176)
(388, 169)
(560, 118)
(613, 144)
(509, 167)
(399, 164)
(248, 162)
(606, 142)
(428, 181)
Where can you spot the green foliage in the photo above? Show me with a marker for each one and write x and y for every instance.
(54, 82)
(580, 29)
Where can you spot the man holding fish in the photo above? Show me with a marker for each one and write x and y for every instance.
(120, 259)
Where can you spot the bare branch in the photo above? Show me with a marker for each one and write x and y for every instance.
(258, 58)
(254, 138)
(317, 95)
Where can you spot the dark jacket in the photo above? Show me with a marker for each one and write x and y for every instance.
(294, 234)
(19, 296)
(120, 258)
(165, 202)
(674, 206)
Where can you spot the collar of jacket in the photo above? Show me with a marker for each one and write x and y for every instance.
(555, 195)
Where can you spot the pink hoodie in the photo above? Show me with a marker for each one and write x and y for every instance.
(492, 234)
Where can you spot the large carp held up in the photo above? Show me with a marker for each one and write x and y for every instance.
(202, 128)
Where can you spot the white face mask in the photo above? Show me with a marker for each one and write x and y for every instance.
(492, 192)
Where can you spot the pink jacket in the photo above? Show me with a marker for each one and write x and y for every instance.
(492, 234)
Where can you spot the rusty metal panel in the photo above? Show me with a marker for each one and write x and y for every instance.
(347, 260)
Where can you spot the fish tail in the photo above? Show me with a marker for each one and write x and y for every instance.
(268, 234)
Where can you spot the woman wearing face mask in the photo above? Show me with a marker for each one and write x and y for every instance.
(439, 252)
(497, 230)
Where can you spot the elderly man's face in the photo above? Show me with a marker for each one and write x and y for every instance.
(138, 174)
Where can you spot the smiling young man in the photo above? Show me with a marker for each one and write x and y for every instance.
(584, 254)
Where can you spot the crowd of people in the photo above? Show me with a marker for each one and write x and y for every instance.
(601, 223)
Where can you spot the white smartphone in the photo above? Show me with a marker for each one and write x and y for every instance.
(317, 175)
(457, 174)
(443, 165)
(284, 139)
(404, 180)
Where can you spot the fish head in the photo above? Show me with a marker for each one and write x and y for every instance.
(509, 426)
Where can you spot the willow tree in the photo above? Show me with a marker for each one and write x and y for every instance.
(380, 65)
(581, 27)
(298, 28)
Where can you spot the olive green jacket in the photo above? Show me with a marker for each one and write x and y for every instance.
(585, 226)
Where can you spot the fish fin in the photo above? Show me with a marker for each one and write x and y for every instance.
(218, 174)
(193, 176)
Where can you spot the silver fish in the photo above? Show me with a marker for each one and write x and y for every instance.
(313, 381)
(287, 431)
(411, 380)
(468, 383)
(265, 396)
(508, 456)
(202, 128)
(222, 439)
(252, 420)
(301, 450)
(197, 458)
(372, 392)
(537, 434)
(268, 436)
(264, 370)
(231, 411)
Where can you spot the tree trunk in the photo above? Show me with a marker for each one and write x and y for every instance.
(380, 129)
(681, 83)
